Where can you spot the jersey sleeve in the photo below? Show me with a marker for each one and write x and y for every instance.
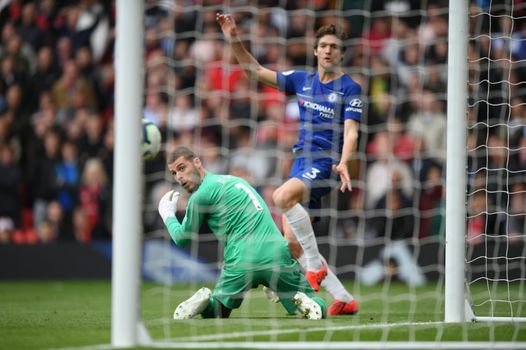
(353, 104)
(290, 81)
(181, 233)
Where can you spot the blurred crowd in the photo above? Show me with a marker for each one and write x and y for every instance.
(56, 111)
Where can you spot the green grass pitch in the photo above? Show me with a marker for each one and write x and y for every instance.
(66, 314)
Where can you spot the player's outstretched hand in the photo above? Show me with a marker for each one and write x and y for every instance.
(168, 205)
(228, 25)
(343, 171)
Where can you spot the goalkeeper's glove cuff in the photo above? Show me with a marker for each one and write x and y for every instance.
(166, 216)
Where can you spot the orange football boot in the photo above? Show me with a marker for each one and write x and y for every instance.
(315, 277)
(339, 307)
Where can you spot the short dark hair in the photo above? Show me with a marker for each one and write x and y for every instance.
(331, 29)
(181, 151)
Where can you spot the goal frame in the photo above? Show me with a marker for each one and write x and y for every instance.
(455, 244)
(127, 329)
(456, 305)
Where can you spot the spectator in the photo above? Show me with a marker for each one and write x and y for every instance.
(379, 91)
(70, 86)
(86, 66)
(429, 122)
(509, 39)
(378, 35)
(80, 226)
(297, 50)
(95, 199)
(517, 140)
(46, 72)
(352, 224)
(517, 218)
(64, 51)
(44, 180)
(386, 173)
(68, 177)
(476, 218)
(6, 230)
(183, 116)
(91, 141)
(156, 107)
(255, 161)
(402, 143)
(211, 155)
(497, 172)
(58, 220)
(401, 36)
(410, 64)
(46, 232)
(23, 54)
(436, 26)
(46, 14)
(10, 185)
(431, 218)
(92, 28)
(8, 75)
(107, 150)
(28, 29)
(396, 260)
(397, 221)
(16, 111)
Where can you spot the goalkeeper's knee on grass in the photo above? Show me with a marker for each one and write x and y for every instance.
(215, 309)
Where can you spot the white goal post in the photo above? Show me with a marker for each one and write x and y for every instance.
(456, 161)
(126, 325)
(457, 308)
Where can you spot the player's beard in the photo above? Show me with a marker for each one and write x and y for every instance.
(195, 181)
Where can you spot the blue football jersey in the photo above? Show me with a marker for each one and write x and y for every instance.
(323, 108)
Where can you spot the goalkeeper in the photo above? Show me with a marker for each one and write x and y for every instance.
(255, 252)
(330, 110)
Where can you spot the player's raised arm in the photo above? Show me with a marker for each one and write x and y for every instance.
(249, 64)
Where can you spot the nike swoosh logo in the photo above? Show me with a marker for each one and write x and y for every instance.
(306, 88)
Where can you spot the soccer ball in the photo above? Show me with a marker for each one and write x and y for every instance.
(151, 140)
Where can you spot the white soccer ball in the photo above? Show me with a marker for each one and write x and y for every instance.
(151, 140)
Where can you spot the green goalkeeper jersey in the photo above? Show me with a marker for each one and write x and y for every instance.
(239, 218)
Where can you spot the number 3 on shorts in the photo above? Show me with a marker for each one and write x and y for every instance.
(312, 174)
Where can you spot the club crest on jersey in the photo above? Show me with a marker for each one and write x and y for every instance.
(332, 97)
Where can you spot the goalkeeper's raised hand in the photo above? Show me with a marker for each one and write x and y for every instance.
(168, 205)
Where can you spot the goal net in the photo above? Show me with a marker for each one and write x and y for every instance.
(385, 241)
(496, 167)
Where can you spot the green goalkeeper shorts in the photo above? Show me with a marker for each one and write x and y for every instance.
(286, 281)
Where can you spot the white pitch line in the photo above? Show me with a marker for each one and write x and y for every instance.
(200, 342)
(303, 330)
(370, 345)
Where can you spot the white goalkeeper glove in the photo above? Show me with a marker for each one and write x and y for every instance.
(168, 205)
